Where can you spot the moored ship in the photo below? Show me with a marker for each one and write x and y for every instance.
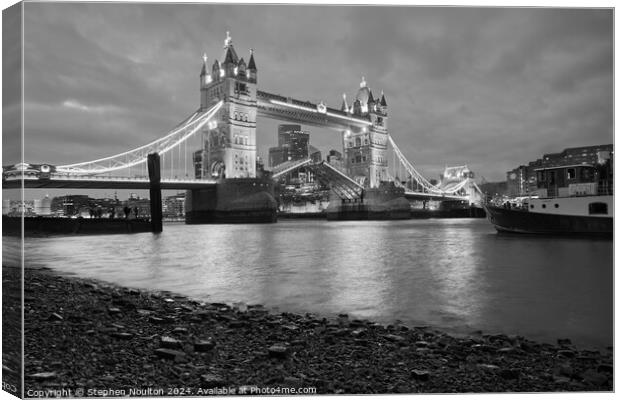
(570, 200)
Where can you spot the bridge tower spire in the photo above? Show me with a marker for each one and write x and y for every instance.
(365, 149)
(229, 142)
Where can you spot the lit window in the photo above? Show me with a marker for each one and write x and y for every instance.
(222, 73)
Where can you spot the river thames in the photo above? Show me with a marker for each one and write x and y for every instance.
(455, 274)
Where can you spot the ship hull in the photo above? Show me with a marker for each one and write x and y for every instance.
(523, 221)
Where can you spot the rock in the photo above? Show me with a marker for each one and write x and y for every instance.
(394, 338)
(509, 373)
(204, 345)
(55, 317)
(122, 335)
(566, 370)
(488, 367)
(483, 348)
(341, 332)
(41, 376)
(114, 310)
(212, 381)
(359, 332)
(566, 353)
(609, 368)
(594, 378)
(506, 350)
(170, 343)
(292, 382)
(357, 323)
(180, 331)
(278, 351)
(290, 327)
(421, 375)
(498, 337)
(7, 370)
(176, 356)
(421, 343)
(236, 324)
(564, 342)
(144, 312)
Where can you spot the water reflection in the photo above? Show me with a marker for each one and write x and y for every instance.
(456, 274)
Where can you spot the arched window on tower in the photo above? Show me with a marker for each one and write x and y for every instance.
(358, 142)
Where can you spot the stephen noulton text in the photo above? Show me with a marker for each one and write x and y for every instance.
(176, 391)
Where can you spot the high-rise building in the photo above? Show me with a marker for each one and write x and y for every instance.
(174, 206)
(293, 144)
(43, 206)
(334, 158)
(517, 181)
(315, 154)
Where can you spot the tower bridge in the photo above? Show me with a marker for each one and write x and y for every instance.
(225, 157)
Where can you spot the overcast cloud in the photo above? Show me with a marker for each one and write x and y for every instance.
(492, 88)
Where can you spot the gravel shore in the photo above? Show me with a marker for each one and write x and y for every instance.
(90, 335)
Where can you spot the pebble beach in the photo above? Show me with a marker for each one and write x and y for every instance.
(104, 340)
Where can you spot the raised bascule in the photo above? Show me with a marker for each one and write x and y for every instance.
(228, 187)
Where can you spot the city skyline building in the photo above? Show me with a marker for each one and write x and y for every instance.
(293, 144)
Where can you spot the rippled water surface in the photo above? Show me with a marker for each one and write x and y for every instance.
(454, 274)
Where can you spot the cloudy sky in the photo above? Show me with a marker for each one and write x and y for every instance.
(492, 88)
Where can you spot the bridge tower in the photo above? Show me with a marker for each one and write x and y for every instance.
(365, 149)
(229, 143)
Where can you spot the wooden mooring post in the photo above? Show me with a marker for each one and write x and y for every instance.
(155, 192)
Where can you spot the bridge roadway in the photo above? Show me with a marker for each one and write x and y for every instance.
(409, 195)
(91, 182)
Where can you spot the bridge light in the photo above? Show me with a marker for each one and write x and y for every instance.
(208, 79)
(347, 133)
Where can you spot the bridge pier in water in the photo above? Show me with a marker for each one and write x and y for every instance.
(386, 202)
(155, 192)
(236, 200)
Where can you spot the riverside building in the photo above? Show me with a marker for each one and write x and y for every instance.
(523, 180)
